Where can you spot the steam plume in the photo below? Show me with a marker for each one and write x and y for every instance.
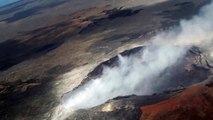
(136, 75)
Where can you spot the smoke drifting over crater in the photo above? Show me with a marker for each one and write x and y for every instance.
(137, 74)
(197, 31)
(134, 75)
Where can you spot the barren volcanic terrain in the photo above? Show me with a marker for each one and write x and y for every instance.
(106, 60)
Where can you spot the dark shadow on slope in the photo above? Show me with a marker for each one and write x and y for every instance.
(13, 52)
(22, 15)
(30, 12)
(185, 10)
(110, 15)
(40, 42)
(27, 100)
(14, 8)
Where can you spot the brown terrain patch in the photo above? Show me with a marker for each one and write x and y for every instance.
(195, 103)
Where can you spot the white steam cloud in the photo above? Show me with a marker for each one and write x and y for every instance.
(135, 75)
(132, 76)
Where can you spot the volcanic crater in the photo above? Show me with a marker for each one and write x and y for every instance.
(194, 68)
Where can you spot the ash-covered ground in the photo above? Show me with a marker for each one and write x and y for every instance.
(50, 50)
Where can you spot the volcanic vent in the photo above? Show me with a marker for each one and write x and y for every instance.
(128, 75)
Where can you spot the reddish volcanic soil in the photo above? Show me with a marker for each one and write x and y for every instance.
(195, 103)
